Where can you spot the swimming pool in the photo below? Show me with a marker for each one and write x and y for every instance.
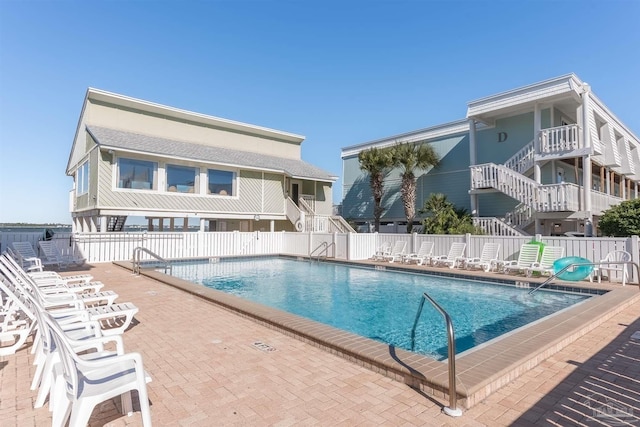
(380, 305)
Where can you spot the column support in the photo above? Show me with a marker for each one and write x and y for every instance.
(537, 126)
(473, 159)
(587, 178)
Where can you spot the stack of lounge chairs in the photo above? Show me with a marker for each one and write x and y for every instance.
(70, 319)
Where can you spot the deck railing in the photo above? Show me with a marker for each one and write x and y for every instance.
(560, 139)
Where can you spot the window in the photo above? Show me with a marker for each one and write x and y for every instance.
(221, 182)
(181, 179)
(82, 179)
(136, 174)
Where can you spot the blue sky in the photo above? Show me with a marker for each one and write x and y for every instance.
(339, 72)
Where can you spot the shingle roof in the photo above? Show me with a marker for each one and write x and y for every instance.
(186, 150)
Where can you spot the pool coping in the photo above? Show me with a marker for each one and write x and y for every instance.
(480, 371)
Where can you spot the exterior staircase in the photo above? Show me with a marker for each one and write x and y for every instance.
(116, 223)
(510, 179)
(304, 218)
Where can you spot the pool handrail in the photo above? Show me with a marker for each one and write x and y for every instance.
(325, 249)
(137, 260)
(580, 264)
(452, 409)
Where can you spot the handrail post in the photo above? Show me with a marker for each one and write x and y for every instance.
(451, 410)
(137, 259)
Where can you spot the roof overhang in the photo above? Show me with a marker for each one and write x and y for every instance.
(427, 134)
(568, 88)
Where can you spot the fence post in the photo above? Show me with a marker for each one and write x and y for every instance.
(467, 240)
(633, 245)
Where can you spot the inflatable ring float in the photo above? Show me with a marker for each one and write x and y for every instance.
(572, 274)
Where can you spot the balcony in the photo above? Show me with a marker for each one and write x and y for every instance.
(561, 142)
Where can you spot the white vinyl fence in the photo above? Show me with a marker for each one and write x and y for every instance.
(107, 247)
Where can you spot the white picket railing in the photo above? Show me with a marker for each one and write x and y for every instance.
(560, 139)
(520, 216)
(542, 198)
(523, 160)
(495, 226)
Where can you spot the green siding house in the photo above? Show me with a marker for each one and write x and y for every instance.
(134, 158)
(541, 159)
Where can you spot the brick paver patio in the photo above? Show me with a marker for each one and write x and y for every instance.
(212, 367)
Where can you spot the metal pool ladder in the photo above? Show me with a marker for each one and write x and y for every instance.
(322, 248)
(137, 252)
(452, 409)
(580, 264)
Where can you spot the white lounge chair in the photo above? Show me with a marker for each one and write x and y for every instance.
(397, 252)
(382, 251)
(453, 258)
(423, 255)
(488, 259)
(44, 279)
(114, 319)
(26, 256)
(53, 255)
(613, 256)
(528, 255)
(545, 266)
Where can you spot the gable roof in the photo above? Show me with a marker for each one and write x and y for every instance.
(114, 139)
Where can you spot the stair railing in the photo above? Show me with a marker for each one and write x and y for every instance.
(523, 160)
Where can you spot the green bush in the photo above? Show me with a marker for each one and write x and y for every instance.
(622, 220)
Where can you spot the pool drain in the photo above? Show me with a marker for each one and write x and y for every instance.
(262, 346)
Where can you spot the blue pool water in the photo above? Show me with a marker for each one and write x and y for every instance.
(380, 304)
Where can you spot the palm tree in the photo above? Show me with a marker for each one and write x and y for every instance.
(377, 162)
(409, 157)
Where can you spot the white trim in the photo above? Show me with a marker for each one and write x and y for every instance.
(446, 129)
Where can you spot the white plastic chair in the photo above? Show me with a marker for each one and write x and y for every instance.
(453, 258)
(90, 382)
(618, 256)
(422, 256)
(487, 260)
(545, 266)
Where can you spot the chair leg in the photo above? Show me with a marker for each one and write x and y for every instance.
(61, 413)
(81, 412)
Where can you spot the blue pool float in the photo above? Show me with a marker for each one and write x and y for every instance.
(572, 274)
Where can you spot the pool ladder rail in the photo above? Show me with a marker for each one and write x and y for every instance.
(137, 259)
(322, 248)
(581, 264)
(452, 409)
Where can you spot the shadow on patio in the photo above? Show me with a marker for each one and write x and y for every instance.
(603, 390)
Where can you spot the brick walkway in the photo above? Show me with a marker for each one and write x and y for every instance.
(212, 367)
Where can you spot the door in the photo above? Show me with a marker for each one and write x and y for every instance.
(295, 191)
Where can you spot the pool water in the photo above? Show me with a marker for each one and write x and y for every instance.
(381, 305)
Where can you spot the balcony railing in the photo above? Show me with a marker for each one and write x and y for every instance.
(560, 139)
